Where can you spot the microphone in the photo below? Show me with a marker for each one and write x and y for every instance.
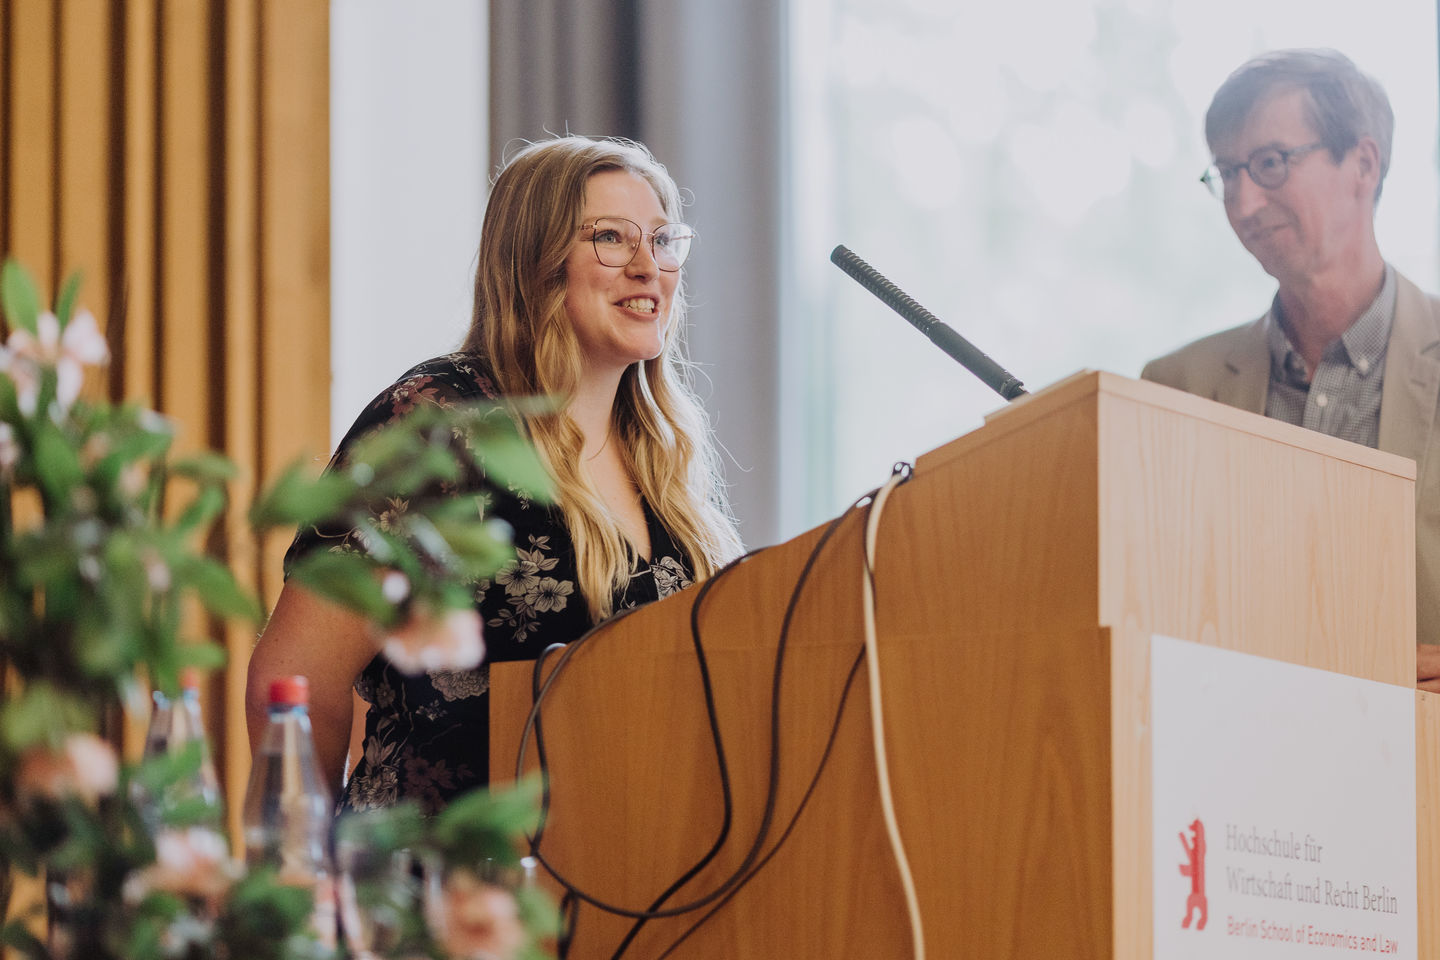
(989, 372)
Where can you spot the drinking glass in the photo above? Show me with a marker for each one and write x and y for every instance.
(379, 900)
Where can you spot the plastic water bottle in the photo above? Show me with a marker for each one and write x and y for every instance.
(176, 726)
(288, 807)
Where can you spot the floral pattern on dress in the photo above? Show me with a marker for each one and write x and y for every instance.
(460, 684)
(527, 593)
(427, 737)
(432, 781)
(670, 576)
(395, 509)
(376, 782)
(406, 395)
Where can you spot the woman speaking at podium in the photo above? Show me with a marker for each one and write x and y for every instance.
(578, 297)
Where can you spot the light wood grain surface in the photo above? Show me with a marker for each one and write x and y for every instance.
(1022, 572)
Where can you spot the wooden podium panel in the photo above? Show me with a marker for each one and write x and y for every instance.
(1020, 575)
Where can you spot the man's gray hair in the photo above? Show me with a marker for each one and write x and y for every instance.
(1344, 103)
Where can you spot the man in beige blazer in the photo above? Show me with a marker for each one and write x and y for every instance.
(1301, 141)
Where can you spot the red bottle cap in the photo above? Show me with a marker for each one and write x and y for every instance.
(289, 692)
(190, 678)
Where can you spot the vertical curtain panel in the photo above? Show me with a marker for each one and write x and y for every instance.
(176, 153)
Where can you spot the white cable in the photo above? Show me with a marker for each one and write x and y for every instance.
(877, 718)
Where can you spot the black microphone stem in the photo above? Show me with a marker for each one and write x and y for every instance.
(989, 372)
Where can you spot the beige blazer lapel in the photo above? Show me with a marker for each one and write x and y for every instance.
(1246, 377)
(1412, 376)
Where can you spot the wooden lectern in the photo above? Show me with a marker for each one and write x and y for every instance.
(1021, 573)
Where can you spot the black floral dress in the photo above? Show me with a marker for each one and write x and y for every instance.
(427, 736)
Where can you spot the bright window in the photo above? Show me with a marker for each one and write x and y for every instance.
(1028, 171)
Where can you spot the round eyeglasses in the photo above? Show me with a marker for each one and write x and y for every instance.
(1268, 167)
(616, 241)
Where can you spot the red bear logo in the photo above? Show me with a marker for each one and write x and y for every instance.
(1195, 870)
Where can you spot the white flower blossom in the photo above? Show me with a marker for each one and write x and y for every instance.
(193, 862)
(426, 642)
(90, 569)
(395, 587)
(81, 344)
(85, 766)
(157, 571)
(479, 920)
(9, 448)
(132, 479)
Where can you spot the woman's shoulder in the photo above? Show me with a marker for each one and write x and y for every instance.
(442, 381)
(446, 381)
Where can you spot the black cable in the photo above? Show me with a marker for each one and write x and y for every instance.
(570, 911)
(819, 769)
(728, 810)
(804, 801)
(569, 651)
(569, 907)
(535, 673)
(749, 866)
(773, 784)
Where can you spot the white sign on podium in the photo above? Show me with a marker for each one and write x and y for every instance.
(1284, 809)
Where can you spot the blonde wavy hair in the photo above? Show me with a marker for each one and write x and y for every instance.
(521, 330)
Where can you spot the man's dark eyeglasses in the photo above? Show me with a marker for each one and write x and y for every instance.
(1268, 167)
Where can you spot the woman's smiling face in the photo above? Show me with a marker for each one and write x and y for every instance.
(621, 314)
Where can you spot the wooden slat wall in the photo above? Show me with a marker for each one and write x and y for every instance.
(134, 368)
(176, 152)
(240, 336)
(83, 121)
(30, 188)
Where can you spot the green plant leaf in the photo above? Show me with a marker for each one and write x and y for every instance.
(56, 465)
(481, 546)
(385, 830)
(17, 936)
(420, 471)
(510, 460)
(295, 498)
(218, 590)
(148, 930)
(388, 445)
(105, 647)
(18, 296)
(85, 842)
(429, 540)
(9, 401)
(485, 824)
(157, 772)
(192, 811)
(209, 503)
(44, 557)
(43, 714)
(538, 914)
(203, 656)
(138, 444)
(382, 547)
(65, 303)
(16, 616)
(349, 579)
(266, 920)
(205, 468)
